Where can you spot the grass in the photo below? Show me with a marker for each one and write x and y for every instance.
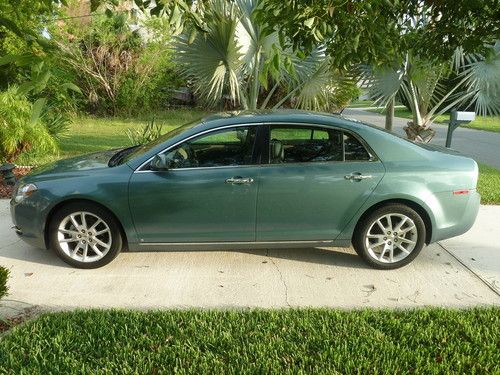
(4, 276)
(426, 341)
(489, 184)
(488, 123)
(90, 134)
(361, 104)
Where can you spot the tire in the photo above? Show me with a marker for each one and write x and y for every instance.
(383, 249)
(99, 234)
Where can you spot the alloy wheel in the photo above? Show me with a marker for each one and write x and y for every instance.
(391, 238)
(84, 236)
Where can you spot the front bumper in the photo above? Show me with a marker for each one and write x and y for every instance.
(28, 224)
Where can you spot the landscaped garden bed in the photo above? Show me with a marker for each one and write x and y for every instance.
(5, 189)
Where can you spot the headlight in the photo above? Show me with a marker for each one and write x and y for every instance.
(24, 191)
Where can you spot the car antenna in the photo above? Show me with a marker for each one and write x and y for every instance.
(339, 112)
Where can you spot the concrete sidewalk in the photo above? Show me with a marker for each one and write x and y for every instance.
(257, 278)
(481, 145)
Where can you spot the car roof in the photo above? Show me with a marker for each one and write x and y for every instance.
(261, 116)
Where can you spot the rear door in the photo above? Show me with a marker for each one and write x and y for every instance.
(315, 180)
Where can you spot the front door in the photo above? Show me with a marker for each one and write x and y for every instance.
(208, 194)
(316, 180)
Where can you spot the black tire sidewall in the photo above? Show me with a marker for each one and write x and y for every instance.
(363, 226)
(104, 214)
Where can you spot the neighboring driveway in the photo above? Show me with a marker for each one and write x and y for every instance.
(257, 278)
(481, 145)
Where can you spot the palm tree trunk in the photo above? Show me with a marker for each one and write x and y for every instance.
(389, 114)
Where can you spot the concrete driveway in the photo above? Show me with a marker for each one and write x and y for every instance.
(460, 272)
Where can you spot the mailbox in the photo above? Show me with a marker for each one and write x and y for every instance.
(457, 118)
(465, 116)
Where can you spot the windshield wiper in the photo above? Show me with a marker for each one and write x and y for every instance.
(118, 157)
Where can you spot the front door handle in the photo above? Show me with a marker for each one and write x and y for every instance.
(238, 180)
(357, 176)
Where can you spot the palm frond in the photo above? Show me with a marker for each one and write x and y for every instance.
(383, 83)
(213, 60)
(483, 78)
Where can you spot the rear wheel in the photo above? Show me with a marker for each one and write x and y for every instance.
(390, 237)
(85, 235)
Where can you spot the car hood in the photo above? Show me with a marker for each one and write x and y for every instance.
(96, 160)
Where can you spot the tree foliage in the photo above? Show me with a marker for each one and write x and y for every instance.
(473, 82)
(378, 31)
(235, 57)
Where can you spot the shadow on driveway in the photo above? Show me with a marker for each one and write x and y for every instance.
(338, 257)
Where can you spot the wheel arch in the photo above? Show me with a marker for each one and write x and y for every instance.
(412, 204)
(65, 202)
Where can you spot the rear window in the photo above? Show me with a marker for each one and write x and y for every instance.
(297, 144)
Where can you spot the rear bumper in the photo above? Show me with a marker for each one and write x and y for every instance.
(454, 214)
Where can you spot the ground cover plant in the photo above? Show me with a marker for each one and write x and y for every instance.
(425, 341)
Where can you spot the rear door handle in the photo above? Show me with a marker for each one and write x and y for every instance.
(357, 176)
(238, 180)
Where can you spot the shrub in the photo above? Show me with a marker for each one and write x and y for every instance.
(21, 128)
(119, 70)
(4, 275)
(56, 122)
(148, 133)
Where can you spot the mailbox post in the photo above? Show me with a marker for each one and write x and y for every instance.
(457, 118)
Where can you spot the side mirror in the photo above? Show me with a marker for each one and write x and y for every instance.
(160, 162)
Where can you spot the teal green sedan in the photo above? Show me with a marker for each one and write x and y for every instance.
(252, 180)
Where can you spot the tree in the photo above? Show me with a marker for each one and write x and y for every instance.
(475, 83)
(235, 57)
(380, 31)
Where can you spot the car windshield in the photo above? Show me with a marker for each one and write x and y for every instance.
(165, 137)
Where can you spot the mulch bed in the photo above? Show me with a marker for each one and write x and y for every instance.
(6, 190)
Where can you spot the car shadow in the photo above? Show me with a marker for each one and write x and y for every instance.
(338, 257)
(33, 255)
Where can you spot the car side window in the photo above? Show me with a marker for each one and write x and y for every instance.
(295, 144)
(216, 149)
(353, 149)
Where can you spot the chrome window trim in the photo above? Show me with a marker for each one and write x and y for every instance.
(373, 156)
(138, 169)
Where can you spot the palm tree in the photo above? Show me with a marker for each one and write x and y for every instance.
(235, 57)
(476, 84)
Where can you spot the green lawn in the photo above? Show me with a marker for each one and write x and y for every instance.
(489, 184)
(489, 123)
(423, 341)
(360, 104)
(89, 134)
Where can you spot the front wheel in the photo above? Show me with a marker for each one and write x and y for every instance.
(85, 235)
(390, 237)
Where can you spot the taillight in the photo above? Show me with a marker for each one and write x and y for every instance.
(461, 192)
